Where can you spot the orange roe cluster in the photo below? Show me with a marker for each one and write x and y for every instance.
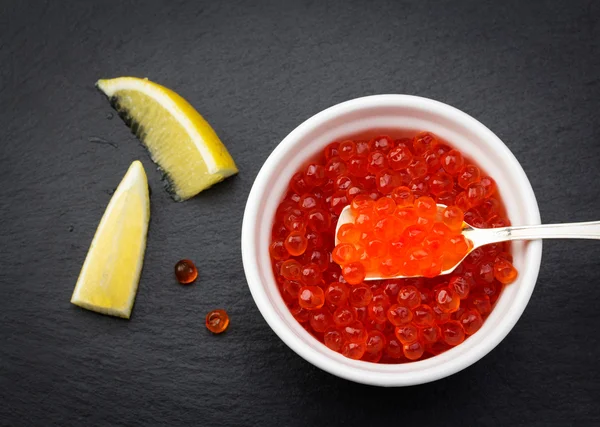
(392, 186)
(408, 238)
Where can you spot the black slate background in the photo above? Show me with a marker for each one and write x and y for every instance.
(530, 70)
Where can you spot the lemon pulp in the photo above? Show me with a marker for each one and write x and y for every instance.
(178, 138)
(109, 277)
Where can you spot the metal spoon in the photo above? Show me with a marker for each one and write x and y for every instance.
(485, 236)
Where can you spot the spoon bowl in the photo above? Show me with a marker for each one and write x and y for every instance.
(484, 236)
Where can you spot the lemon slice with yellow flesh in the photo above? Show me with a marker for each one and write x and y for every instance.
(178, 138)
(109, 277)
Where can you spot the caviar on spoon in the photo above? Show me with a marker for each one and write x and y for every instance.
(444, 238)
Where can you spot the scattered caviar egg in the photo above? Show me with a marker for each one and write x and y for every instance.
(393, 187)
(185, 271)
(217, 321)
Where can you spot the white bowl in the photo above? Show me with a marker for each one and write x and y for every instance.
(389, 113)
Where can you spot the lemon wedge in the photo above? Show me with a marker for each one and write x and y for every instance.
(109, 277)
(178, 138)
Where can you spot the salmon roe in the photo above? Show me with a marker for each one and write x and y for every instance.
(392, 187)
(185, 271)
(411, 240)
(217, 321)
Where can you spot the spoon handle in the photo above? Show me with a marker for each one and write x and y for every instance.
(575, 230)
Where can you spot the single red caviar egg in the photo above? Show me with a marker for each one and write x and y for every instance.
(217, 321)
(504, 271)
(393, 187)
(311, 297)
(185, 271)
(413, 350)
(333, 339)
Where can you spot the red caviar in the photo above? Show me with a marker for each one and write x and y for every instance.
(392, 186)
(217, 321)
(185, 271)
